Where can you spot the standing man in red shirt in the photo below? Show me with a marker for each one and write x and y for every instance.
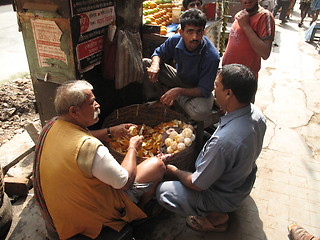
(251, 36)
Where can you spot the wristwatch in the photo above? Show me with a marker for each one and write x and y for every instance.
(109, 133)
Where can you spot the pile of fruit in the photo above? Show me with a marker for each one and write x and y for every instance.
(178, 136)
(158, 12)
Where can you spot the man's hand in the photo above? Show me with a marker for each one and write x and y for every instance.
(164, 157)
(171, 169)
(243, 18)
(153, 70)
(170, 96)
(184, 177)
(136, 142)
(121, 130)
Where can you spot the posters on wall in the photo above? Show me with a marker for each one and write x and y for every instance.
(47, 37)
(94, 15)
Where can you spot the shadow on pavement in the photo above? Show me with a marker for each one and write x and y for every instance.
(5, 2)
(243, 224)
(30, 221)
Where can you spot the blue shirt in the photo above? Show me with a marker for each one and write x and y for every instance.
(226, 166)
(196, 69)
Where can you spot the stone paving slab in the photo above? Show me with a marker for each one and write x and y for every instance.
(16, 149)
(287, 186)
(27, 222)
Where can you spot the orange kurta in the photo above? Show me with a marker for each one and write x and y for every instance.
(76, 202)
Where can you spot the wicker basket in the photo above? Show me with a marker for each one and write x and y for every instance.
(151, 116)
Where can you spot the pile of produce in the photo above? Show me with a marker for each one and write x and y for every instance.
(170, 137)
(158, 12)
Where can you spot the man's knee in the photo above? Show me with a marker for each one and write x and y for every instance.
(198, 109)
(158, 165)
(163, 193)
(199, 114)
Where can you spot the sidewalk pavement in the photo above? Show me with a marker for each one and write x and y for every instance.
(288, 183)
(13, 58)
(287, 188)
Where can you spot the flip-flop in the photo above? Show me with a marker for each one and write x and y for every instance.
(204, 225)
(297, 232)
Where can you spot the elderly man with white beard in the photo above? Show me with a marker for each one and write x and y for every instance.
(78, 184)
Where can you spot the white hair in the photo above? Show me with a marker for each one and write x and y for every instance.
(71, 93)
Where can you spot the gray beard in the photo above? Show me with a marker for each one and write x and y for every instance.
(96, 113)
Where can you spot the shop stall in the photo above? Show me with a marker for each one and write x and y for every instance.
(161, 20)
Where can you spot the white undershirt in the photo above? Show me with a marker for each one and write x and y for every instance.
(106, 168)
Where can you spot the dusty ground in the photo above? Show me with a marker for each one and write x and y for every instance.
(17, 107)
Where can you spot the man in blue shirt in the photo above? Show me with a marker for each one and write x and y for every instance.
(190, 83)
(225, 169)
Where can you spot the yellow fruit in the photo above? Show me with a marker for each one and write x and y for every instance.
(152, 19)
(147, 21)
(152, 5)
(163, 31)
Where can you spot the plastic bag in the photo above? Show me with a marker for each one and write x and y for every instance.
(309, 32)
(128, 64)
(109, 54)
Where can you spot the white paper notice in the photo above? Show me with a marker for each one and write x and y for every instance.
(47, 36)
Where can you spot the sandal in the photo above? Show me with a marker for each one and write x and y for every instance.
(297, 232)
(204, 225)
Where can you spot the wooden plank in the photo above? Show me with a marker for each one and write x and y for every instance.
(34, 130)
(16, 149)
(23, 168)
(17, 186)
(40, 6)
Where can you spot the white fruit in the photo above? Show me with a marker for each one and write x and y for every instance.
(193, 137)
(181, 146)
(188, 142)
(187, 132)
(174, 145)
(170, 150)
(173, 134)
(168, 142)
(179, 138)
(133, 130)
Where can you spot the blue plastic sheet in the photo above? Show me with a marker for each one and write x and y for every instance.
(309, 32)
(172, 27)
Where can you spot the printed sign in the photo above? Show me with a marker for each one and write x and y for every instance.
(96, 19)
(47, 36)
(95, 16)
(81, 6)
(90, 53)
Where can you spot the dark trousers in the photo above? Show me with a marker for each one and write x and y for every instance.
(284, 5)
